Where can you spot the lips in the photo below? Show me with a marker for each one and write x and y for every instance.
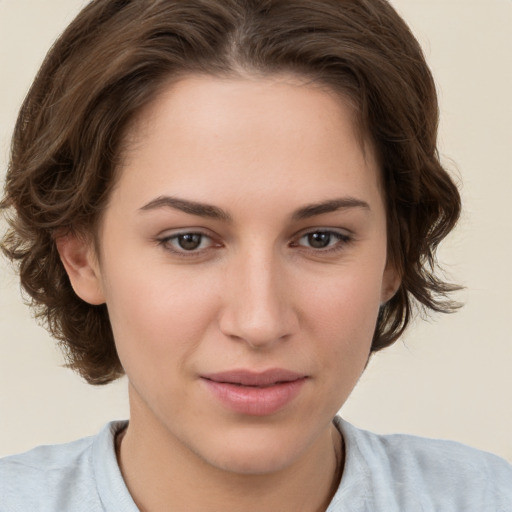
(256, 379)
(255, 393)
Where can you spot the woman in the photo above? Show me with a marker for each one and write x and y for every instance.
(235, 203)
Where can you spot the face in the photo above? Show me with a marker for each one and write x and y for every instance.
(243, 263)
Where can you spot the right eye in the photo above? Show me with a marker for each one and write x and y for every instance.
(186, 242)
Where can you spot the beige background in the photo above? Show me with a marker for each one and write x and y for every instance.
(450, 377)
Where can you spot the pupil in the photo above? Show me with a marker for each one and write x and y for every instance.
(319, 240)
(190, 241)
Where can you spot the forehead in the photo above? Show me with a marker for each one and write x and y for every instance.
(206, 100)
(266, 133)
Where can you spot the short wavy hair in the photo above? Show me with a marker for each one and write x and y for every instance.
(117, 55)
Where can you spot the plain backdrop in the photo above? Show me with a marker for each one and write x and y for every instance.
(449, 377)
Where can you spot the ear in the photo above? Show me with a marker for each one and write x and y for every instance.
(391, 281)
(79, 259)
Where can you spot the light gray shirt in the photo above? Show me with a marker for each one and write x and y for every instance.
(383, 473)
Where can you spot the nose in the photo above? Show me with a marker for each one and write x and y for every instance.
(259, 305)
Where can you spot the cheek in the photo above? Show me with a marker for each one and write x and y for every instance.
(350, 299)
(158, 313)
(341, 316)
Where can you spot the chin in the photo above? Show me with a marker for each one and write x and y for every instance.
(253, 451)
(253, 462)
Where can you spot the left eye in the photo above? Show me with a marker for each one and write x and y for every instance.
(322, 239)
(187, 242)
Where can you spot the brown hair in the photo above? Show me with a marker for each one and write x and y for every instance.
(116, 56)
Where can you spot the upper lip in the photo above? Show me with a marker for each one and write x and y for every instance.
(254, 378)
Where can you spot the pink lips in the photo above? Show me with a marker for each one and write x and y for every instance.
(255, 393)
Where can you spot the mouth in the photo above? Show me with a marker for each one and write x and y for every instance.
(249, 378)
(255, 393)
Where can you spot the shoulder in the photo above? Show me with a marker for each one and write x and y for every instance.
(55, 477)
(415, 473)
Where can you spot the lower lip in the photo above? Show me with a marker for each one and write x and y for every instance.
(255, 401)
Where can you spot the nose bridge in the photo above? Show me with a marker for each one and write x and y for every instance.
(258, 311)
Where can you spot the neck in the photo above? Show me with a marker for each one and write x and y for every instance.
(162, 474)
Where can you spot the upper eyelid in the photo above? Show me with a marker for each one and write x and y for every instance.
(172, 233)
(339, 231)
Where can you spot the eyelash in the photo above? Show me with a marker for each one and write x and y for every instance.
(341, 241)
(166, 243)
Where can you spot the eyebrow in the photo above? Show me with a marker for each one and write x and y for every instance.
(331, 205)
(214, 212)
(191, 207)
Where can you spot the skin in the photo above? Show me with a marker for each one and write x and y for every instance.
(256, 293)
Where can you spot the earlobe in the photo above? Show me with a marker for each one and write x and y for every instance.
(390, 283)
(79, 259)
